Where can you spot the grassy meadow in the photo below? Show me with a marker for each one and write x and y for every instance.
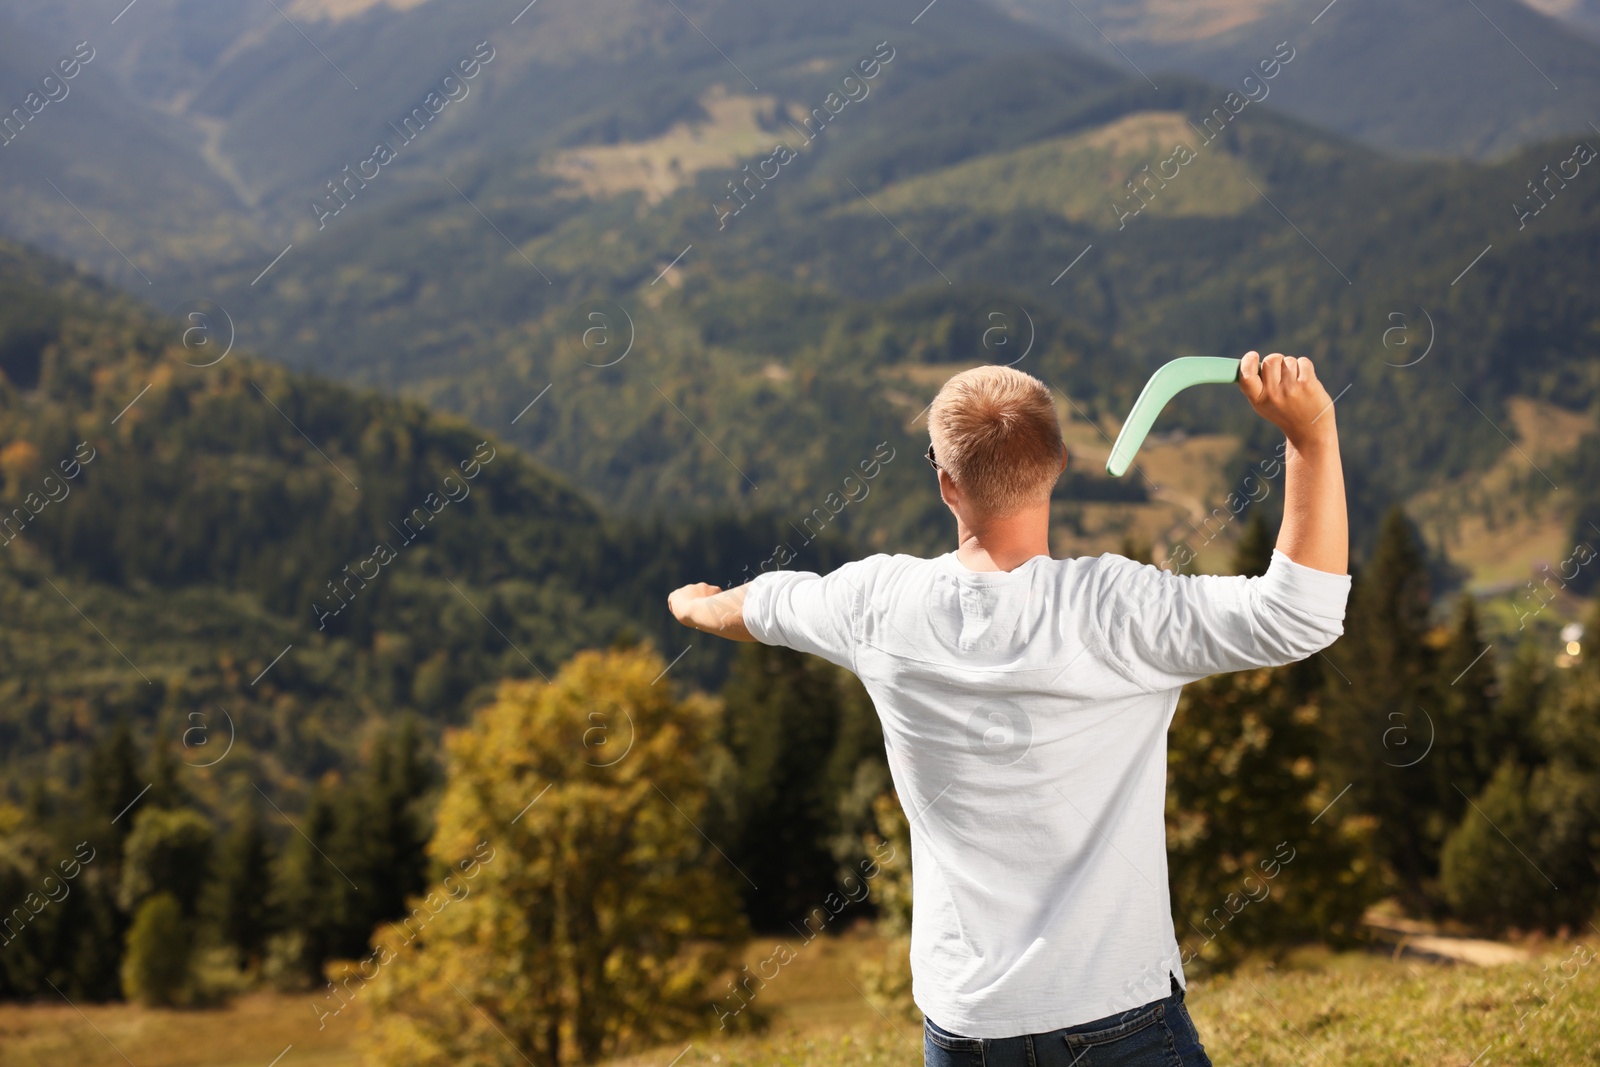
(1347, 1009)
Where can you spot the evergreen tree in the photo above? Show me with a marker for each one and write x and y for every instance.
(161, 771)
(1254, 553)
(236, 902)
(396, 829)
(1470, 741)
(310, 893)
(797, 742)
(1527, 689)
(112, 784)
(1243, 803)
(1536, 826)
(1380, 700)
(380, 839)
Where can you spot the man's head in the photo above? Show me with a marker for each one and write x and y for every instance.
(996, 437)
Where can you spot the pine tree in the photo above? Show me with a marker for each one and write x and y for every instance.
(397, 830)
(236, 902)
(381, 838)
(310, 893)
(161, 771)
(1381, 697)
(112, 784)
(1248, 814)
(1527, 689)
(1469, 742)
(1254, 553)
(797, 746)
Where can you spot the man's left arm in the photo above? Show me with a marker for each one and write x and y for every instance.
(795, 609)
(711, 609)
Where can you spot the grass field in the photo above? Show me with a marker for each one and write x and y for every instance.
(1339, 1010)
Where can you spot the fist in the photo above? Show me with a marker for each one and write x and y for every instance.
(680, 601)
(1285, 391)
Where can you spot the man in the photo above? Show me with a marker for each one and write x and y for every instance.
(1025, 703)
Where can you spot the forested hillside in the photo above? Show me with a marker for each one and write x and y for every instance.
(726, 276)
(192, 534)
(1417, 285)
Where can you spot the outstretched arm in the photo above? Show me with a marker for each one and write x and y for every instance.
(706, 607)
(1285, 390)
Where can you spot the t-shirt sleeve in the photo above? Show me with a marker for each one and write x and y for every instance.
(808, 612)
(1164, 630)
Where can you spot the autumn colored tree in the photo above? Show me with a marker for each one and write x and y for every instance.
(584, 912)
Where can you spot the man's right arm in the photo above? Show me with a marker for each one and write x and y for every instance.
(1166, 630)
(1284, 390)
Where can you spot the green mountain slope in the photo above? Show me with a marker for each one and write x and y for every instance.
(238, 541)
(783, 320)
(768, 356)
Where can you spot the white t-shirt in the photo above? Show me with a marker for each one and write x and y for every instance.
(1025, 717)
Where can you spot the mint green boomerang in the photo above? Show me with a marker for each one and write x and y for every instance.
(1167, 382)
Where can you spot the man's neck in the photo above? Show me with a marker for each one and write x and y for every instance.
(1004, 544)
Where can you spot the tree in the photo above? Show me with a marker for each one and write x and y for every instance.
(384, 833)
(584, 912)
(111, 784)
(1471, 738)
(1253, 555)
(1380, 700)
(1248, 819)
(798, 728)
(155, 967)
(167, 852)
(235, 901)
(886, 972)
(308, 889)
(1536, 826)
(166, 791)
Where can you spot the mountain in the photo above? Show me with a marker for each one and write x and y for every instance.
(88, 169)
(602, 252)
(778, 349)
(190, 537)
(1475, 80)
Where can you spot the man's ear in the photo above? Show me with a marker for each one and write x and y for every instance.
(947, 489)
(1064, 459)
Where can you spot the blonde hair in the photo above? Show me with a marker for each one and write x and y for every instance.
(995, 432)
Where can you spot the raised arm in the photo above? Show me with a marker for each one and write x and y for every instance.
(1168, 629)
(1285, 391)
(706, 607)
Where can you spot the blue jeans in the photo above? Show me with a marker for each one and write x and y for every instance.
(1160, 1034)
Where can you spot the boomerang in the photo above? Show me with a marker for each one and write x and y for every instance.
(1167, 382)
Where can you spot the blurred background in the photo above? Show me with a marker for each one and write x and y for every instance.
(370, 370)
